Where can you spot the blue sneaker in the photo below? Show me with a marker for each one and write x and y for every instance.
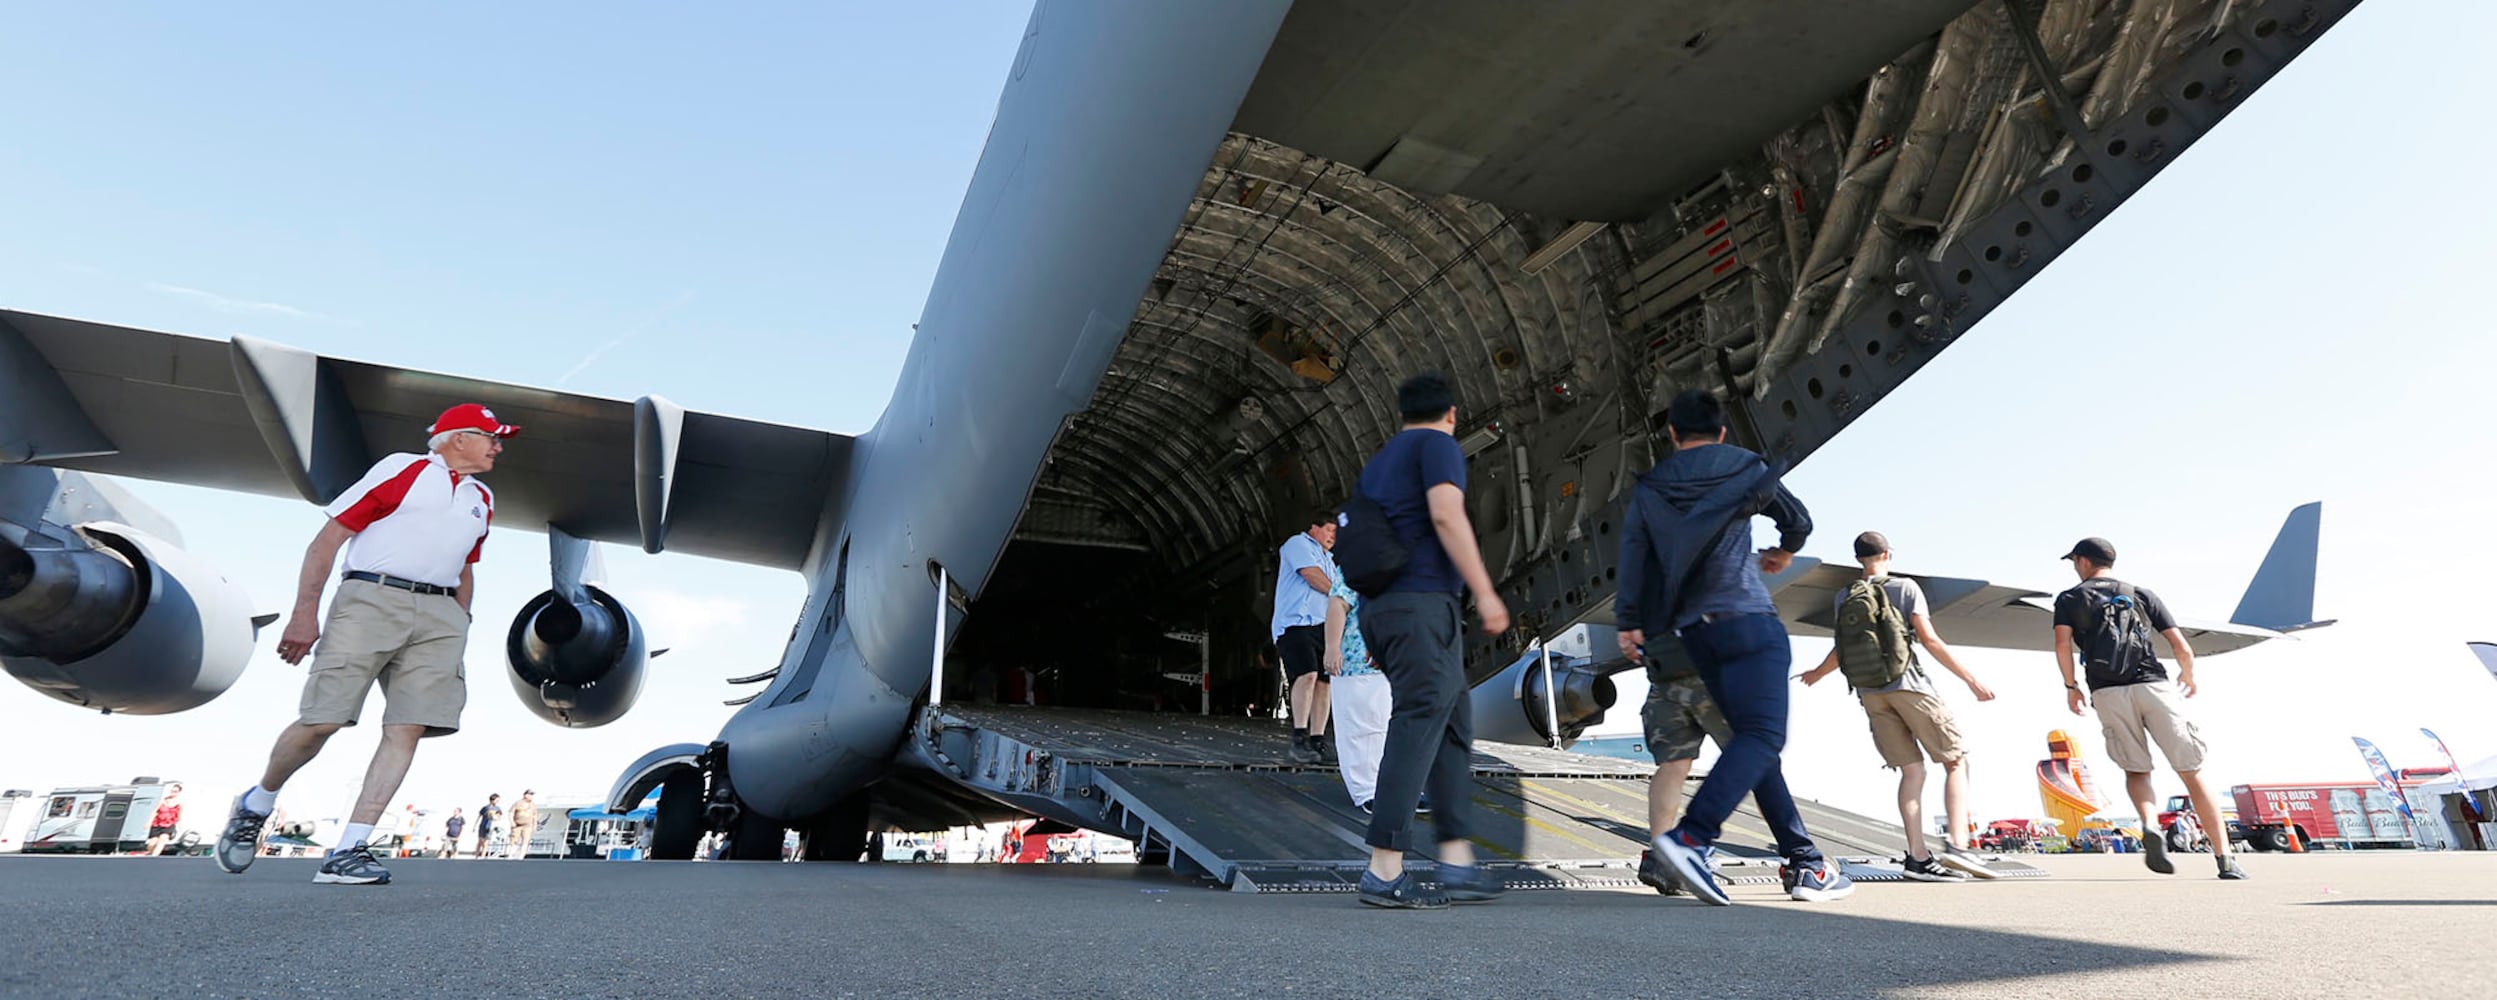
(1402, 894)
(1469, 884)
(1819, 882)
(1689, 865)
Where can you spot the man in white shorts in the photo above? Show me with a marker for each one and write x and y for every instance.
(2110, 623)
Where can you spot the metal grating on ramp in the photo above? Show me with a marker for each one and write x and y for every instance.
(1218, 797)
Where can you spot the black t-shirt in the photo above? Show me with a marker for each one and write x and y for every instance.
(2074, 611)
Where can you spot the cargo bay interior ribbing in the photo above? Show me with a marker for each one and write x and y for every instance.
(1802, 276)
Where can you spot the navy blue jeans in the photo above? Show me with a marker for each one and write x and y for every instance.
(1743, 661)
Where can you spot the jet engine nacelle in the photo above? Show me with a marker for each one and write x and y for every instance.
(1509, 706)
(577, 664)
(119, 620)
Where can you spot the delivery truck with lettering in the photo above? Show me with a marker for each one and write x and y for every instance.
(2345, 815)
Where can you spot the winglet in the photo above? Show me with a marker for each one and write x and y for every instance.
(2282, 596)
(259, 622)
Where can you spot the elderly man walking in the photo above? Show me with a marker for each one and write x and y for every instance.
(524, 823)
(412, 527)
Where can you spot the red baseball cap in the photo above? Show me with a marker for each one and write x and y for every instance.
(472, 417)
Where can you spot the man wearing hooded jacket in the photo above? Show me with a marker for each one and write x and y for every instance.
(1687, 568)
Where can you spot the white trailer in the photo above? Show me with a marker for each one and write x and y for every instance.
(96, 819)
(17, 814)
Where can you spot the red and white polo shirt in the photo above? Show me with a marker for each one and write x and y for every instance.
(415, 519)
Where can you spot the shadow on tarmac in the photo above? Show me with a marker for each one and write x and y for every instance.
(148, 926)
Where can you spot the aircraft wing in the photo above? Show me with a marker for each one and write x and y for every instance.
(1971, 612)
(260, 417)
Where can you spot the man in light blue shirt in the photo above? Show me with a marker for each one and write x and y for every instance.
(1304, 575)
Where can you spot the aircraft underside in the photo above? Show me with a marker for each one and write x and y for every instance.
(1804, 277)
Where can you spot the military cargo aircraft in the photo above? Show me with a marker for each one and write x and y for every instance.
(1201, 246)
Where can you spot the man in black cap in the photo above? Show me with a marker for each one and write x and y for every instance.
(1876, 622)
(2110, 623)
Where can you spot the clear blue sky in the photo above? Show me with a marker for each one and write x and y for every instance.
(740, 209)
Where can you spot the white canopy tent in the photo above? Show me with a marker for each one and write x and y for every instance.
(2474, 777)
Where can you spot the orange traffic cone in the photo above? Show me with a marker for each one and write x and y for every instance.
(2296, 846)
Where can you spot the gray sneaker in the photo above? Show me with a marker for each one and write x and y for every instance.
(239, 845)
(2155, 854)
(2229, 870)
(1965, 860)
(353, 866)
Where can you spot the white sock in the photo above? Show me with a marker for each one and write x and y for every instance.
(356, 835)
(260, 800)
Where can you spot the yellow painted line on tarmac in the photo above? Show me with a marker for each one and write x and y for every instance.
(1593, 807)
(1560, 832)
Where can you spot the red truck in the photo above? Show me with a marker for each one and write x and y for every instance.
(2338, 814)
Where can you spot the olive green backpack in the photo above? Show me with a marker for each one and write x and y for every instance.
(1872, 637)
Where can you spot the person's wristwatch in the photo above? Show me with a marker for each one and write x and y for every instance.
(2068, 685)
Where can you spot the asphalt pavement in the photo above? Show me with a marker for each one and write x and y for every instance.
(2321, 925)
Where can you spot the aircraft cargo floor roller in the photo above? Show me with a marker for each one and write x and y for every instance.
(1217, 797)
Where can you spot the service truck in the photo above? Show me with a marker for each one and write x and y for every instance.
(2327, 814)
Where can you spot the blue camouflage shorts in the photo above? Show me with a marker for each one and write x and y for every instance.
(1677, 714)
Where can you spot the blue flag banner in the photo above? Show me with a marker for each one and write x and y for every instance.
(2449, 754)
(2385, 779)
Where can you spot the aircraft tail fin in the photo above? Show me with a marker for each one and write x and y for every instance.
(2282, 596)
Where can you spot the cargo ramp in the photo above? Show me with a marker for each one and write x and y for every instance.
(1218, 798)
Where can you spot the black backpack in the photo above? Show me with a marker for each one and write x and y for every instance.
(1367, 547)
(2117, 645)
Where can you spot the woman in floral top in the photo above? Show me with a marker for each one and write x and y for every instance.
(1361, 699)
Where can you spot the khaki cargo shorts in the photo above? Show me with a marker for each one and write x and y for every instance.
(2135, 714)
(1904, 720)
(412, 643)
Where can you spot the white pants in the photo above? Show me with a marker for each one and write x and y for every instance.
(1361, 706)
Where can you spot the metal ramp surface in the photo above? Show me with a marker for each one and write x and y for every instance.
(1217, 797)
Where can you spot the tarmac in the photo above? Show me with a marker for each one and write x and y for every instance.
(2317, 925)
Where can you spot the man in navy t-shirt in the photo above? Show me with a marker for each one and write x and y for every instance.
(1416, 631)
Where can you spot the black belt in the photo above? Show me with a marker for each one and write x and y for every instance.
(411, 586)
(1714, 617)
